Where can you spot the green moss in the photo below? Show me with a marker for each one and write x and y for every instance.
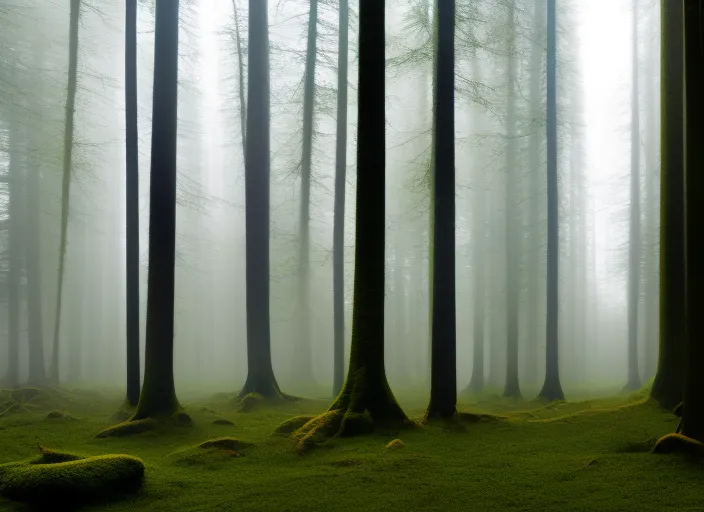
(291, 425)
(223, 422)
(677, 443)
(129, 428)
(59, 415)
(396, 444)
(225, 443)
(68, 479)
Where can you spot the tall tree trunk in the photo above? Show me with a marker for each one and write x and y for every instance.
(634, 248)
(443, 387)
(339, 206)
(66, 180)
(14, 181)
(693, 413)
(302, 359)
(260, 376)
(552, 389)
(534, 241)
(366, 387)
(667, 388)
(513, 235)
(158, 395)
(240, 79)
(132, 204)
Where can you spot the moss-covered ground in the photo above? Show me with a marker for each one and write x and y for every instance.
(589, 455)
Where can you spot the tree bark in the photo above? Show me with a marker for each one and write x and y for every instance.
(693, 409)
(667, 388)
(552, 389)
(66, 180)
(158, 395)
(260, 376)
(443, 380)
(132, 204)
(339, 206)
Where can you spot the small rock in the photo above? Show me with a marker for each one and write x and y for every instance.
(223, 421)
(396, 444)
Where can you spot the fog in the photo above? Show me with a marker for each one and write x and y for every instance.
(500, 170)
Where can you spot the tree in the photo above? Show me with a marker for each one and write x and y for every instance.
(338, 263)
(158, 395)
(66, 179)
(443, 390)
(260, 373)
(366, 389)
(634, 381)
(693, 409)
(303, 364)
(667, 387)
(132, 203)
(552, 389)
(513, 242)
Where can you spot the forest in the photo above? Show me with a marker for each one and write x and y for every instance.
(336, 255)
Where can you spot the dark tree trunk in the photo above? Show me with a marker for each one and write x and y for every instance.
(302, 359)
(512, 230)
(443, 368)
(260, 376)
(634, 248)
(338, 249)
(66, 180)
(158, 395)
(693, 410)
(132, 204)
(552, 389)
(366, 387)
(667, 388)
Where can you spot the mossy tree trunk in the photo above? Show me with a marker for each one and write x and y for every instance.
(693, 410)
(366, 387)
(338, 249)
(132, 203)
(260, 373)
(512, 387)
(66, 180)
(443, 368)
(552, 389)
(303, 357)
(667, 388)
(634, 243)
(158, 395)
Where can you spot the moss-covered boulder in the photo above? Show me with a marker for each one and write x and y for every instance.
(59, 415)
(223, 422)
(56, 477)
(396, 444)
(211, 453)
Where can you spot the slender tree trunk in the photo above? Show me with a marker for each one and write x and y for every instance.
(366, 387)
(534, 241)
(302, 359)
(667, 388)
(339, 207)
(693, 411)
(158, 394)
(513, 242)
(260, 376)
(240, 79)
(443, 388)
(132, 204)
(634, 248)
(66, 180)
(552, 389)
(15, 259)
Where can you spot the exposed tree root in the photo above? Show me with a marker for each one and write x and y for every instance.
(677, 443)
(139, 426)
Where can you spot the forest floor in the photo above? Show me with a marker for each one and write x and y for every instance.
(589, 455)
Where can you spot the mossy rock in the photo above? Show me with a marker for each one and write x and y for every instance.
(69, 479)
(290, 426)
(223, 422)
(677, 443)
(396, 444)
(225, 443)
(59, 415)
(129, 428)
